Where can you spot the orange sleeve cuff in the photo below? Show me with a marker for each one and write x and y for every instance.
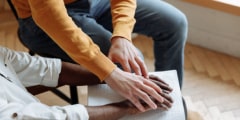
(101, 66)
(124, 29)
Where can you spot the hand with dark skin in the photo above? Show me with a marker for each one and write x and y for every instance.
(115, 111)
(166, 90)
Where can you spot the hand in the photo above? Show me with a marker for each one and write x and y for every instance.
(132, 110)
(163, 85)
(135, 88)
(166, 91)
(124, 52)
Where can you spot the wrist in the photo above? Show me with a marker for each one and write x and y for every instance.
(112, 75)
(125, 107)
(116, 38)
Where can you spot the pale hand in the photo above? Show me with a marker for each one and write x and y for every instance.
(124, 52)
(135, 88)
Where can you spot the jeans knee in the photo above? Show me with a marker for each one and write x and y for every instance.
(183, 22)
(182, 27)
(177, 29)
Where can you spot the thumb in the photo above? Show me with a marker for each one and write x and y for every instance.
(110, 56)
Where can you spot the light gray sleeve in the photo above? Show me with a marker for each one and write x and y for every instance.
(38, 111)
(34, 70)
(17, 104)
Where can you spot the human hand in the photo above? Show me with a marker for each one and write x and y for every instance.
(135, 88)
(124, 52)
(165, 105)
(130, 109)
(163, 85)
(166, 91)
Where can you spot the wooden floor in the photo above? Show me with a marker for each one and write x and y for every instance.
(211, 85)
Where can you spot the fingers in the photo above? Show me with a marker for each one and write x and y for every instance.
(143, 91)
(124, 52)
(147, 99)
(166, 104)
(152, 85)
(137, 103)
(167, 96)
(147, 102)
(142, 66)
(136, 88)
(142, 94)
(156, 78)
(137, 65)
(163, 86)
(166, 89)
(130, 62)
(141, 105)
(167, 100)
(153, 90)
(126, 66)
(147, 89)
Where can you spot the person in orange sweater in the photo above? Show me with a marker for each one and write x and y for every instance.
(97, 33)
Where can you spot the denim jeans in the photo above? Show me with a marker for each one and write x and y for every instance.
(154, 18)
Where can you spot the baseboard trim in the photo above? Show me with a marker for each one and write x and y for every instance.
(217, 5)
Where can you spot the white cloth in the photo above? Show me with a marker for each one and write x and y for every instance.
(20, 70)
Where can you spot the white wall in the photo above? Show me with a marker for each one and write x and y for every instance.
(211, 28)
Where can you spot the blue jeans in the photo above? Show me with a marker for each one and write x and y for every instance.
(154, 18)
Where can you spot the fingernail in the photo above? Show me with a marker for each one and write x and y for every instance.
(162, 100)
(155, 107)
(143, 110)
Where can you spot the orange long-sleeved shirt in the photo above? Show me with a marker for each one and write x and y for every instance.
(52, 17)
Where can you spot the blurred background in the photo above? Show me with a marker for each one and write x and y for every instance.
(212, 66)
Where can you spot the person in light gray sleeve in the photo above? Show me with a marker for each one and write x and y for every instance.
(19, 70)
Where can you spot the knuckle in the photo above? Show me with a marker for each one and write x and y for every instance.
(145, 97)
(123, 60)
(139, 84)
(130, 95)
(134, 100)
(136, 67)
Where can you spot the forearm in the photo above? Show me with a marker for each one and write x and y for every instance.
(107, 112)
(69, 37)
(123, 20)
(74, 74)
